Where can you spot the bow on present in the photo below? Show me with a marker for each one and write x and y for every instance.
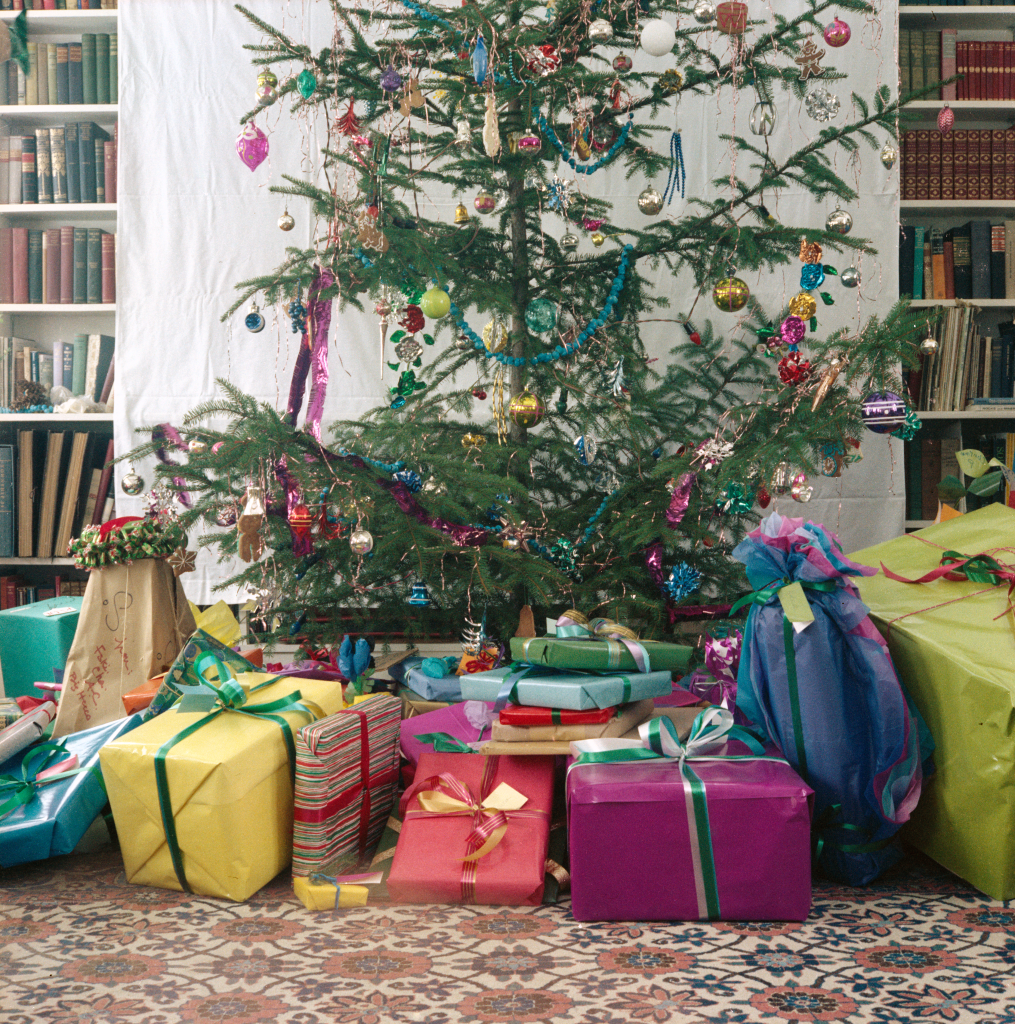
(48, 762)
(659, 742)
(956, 566)
(228, 696)
(572, 625)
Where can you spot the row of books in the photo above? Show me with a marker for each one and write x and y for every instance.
(973, 261)
(16, 590)
(84, 72)
(51, 484)
(970, 369)
(57, 265)
(922, 60)
(58, 5)
(70, 163)
(968, 163)
(930, 459)
(84, 366)
(986, 67)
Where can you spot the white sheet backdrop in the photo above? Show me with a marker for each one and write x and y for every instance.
(193, 220)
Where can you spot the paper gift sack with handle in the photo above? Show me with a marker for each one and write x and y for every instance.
(134, 621)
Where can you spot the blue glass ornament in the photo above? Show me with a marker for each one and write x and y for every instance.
(253, 321)
(683, 580)
(409, 478)
(479, 60)
(420, 597)
(812, 275)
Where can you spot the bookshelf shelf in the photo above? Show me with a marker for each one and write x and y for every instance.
(957, 17)
(36, 561)
(60, 211)
(59, 113)
(970, 414)
(956, 208)
(65, 22)
(29, 419)
(929, 109)
(975, 303)
(49, 308)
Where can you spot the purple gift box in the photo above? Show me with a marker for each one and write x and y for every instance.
(630, 842)
(468, 722)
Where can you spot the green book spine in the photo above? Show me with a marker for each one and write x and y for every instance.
(70, 134)
(88, 78)
(86, 161)
(114, 70)
(920, 234)
(93, 285)
(34, 265)
(80, 359)
(932, 61)
(102, 68)
(62, 79)
(916, 58)
(80, 280)
(74, 73)
(32, 78)
(904, 77)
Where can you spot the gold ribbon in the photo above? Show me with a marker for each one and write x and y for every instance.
(492, 808)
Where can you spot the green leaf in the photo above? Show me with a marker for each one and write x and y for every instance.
(950, 489)
(428, 339)
(394, 366)
(396, 337)
(417, 361)
(986, 484)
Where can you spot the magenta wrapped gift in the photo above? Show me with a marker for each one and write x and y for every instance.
(703, 830)
(458, 728)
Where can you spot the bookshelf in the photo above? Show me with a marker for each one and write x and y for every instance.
(49, 322)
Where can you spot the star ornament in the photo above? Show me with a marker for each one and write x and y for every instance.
(712, 452)
(559, 194)
(181, 561)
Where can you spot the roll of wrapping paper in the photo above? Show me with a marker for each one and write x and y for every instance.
(26, 730)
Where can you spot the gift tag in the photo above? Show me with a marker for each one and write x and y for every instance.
(795, 606)
(197, 702)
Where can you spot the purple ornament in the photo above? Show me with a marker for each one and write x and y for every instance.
(391, 80)
(252, 145)
(884, 412)
(792, 330)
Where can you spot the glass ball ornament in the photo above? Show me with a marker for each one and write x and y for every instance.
(658, 37)
(622, 63)
(197, 446)
(529, 143)
(650, 202)
(132, 484)
(850, 277)
(253, 321)
(511, 543)
(782, 479)
(540, 316)
(252, 145)
(435, 303)
(929, 345)
(800, 490)
(600, 31)
(225, 516)
(837, 33)
(485, 202)
(704, 12)
(361, 542)
(889, 154)
(495, 336)
(526, 409)
(286, 222)
(763, 118)
(821, 104)
(803, 305)
(883, 412)
(839, 221)
(586, 448)
(306, 82)
(598, 238)
(731, 294)
(266, 92)
(569, 242)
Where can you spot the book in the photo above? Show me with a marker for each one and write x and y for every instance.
(88, 70)
(919, 232)
(34, 265)
(62, 79)
(979, 249)
(101, 67)
(29, 179)
(100, 171)
(51, 265)
(949, 264)
(88, 132)
(937, 254)
(114, 70)
(932, 61)
(75, 77)
(928, 268)
(907, 243)
(42, 49)
(67, 373)
(949, 38)
(93, 270)
(45, 374)
(986, 164)
(997, 255)
(6, 501)
(100, 355)
(19, 274)
(22, 82)
(934, 166)
(5, 159)
(43, 166)
(70, 135)
(26, 491)
(947, 167)
(960, 142)
(914, 500)
(32, 78)
(80, 292)
(963, 262)
(58, 163)
(916, 51)
(58, 349)
(109, 163)
(50, 487)
(93, 491)
(107, 386)
(6, 269)
(67, 266)
(104, 481)
(108, 246)
(909, 164)
(71, 492)
(922, 164)
(930, 470)
(80, 347)
(14, 169)
(904, 76)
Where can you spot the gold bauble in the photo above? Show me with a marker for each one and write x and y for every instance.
(731, 294)
(598, 238)
(477, 441)
(671, 81)
(803, 305)
(286, 222)
(526, 409)
(495, 336)
(461, 214)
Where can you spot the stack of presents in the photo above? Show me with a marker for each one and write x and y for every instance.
(849, 704)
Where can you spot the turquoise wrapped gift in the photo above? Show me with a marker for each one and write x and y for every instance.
(539, 686)
(35, 639)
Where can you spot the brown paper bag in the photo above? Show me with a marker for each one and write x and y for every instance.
(134, 621)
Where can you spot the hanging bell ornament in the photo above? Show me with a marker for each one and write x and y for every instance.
(600, 31)
(420, 596)
(945, 120)
(569, 242)
(461, 215)
(889, 154)
(763, 118)
(704, 12)
(132, 484)
(266, 92)
(253, 321)
(650, 202)
(286, 222)
(839, 221)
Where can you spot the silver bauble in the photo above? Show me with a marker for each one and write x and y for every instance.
(839, 221)
(704, 12)
(821, 104)
(511, 543)
(763, 118)
(801, 490)
(569, 242)
(929, 345)
(850, 277)
(225, 516)
(600, 31)
(132, 484)
(197, 447)
(782, 479)
(286, 221)
(361, 541)
(650, 202)
(889, 154)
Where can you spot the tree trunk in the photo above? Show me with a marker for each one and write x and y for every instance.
(519, 275)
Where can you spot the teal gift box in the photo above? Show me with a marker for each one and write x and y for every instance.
(35, 639)
(539, 686)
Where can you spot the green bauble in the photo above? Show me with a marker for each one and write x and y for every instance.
(435, 303)
(540, 316)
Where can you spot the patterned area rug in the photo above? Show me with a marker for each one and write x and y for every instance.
(80, 946)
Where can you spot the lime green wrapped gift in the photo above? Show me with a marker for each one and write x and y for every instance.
(953, 643)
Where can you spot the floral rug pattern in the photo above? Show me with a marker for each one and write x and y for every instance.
(78, 945)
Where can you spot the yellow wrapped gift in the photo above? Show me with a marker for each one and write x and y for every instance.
(223, 758)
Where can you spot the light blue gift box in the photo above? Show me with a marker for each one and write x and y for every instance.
(59, 813)
(34, 643)
(447, 688)
(542, 687)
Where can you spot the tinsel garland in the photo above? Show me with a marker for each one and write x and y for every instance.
(126, 540)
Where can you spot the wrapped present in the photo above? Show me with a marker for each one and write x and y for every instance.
(953, 641)
(141, 696)
(599, 646)
(457, 727)
(35, 640)
(816, 677)
(475, 830)
(202, 795)
(10, 711)
(702, 827)
(346, 780)
(557, 688)
(52, 815)
(557, 725)
(416, 704)
(446, 688)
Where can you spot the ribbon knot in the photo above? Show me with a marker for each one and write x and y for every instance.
(572, 625)
(48, 762)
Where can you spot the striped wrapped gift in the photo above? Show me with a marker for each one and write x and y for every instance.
(346, 778)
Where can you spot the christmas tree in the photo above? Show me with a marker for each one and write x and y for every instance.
(531, 452)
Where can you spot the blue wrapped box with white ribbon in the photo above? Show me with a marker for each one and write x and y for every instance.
(538, 686)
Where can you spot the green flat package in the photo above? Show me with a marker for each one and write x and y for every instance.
(598, 655)
(956, 657)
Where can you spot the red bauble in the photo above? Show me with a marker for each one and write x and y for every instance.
(763, 496)
(793, 370)
(412, 319)
(478, 393)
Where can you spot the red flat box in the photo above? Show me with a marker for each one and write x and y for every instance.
(429, 858)
(515, 714)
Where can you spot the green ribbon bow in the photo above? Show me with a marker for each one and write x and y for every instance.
(229, 696)
(445, 743)
(16, 791)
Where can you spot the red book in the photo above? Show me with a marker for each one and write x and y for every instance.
(997, 164)
(109, 148)
(1008, 68)
(100, 494)
(994, 70)
(6, 265)
(947, 166)
(959, 143)
(986, 166)
(107, 386)
(922, 164)
(961, 66)
(972, 71)
(948, 62)
(49, 5)
(20, 261)
(51, 241)
(934, 162)
(981, 71)
(909, 165)
(11, 590)
(67, 264)
(972, 165)
(1009, 163)
(108, 267)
